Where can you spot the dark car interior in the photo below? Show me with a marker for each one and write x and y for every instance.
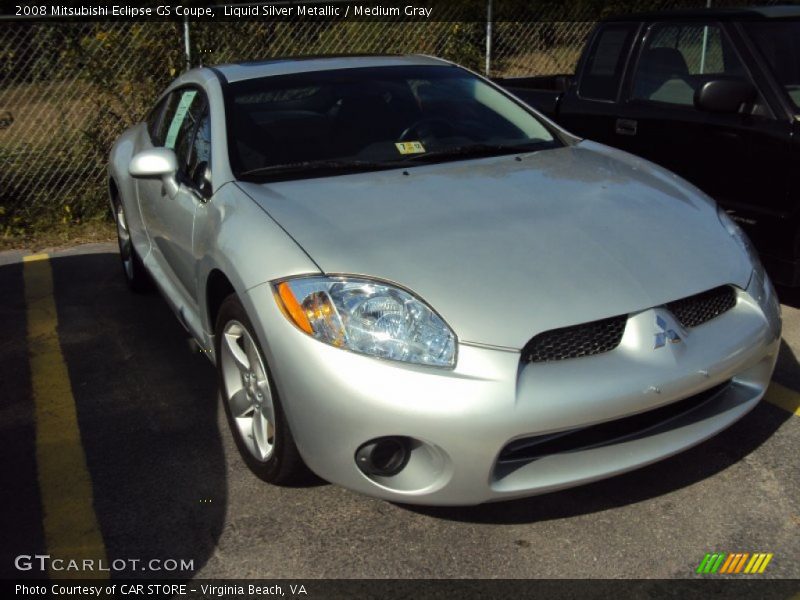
(679, 60)
(356, 118)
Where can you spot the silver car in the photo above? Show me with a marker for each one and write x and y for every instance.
(421, 289)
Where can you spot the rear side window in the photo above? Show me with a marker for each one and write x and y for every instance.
(605, 63)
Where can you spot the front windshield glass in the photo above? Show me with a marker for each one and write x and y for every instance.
(371, 118)
(779, 43)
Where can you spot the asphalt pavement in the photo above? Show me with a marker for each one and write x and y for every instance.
(163, 479)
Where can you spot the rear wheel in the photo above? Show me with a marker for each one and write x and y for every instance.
(254, 411)
(132, 266)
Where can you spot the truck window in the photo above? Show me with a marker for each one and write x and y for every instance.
(678, 58)
(779, 43)
(605, 62)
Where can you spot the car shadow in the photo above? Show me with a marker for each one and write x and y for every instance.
(684, 469)
(147, 414)
(147, 410)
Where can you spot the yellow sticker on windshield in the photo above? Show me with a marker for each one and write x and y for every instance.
(410, 147)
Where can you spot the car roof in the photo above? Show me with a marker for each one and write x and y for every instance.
(756, 13)
(241, 71)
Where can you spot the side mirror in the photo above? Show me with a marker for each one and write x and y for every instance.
(724, 95)
(156, 162)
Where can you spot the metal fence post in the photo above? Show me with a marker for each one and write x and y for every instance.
(488, 36)
(187, 47)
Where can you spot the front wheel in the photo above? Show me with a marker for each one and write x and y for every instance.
(251, 401)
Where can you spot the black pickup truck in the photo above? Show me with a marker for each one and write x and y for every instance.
(711, 94)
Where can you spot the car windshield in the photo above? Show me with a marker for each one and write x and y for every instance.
(331, 122)
(779, 42)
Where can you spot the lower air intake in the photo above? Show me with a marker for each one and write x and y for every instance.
(602, 434)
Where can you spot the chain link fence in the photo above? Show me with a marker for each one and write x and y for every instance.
(67, 90)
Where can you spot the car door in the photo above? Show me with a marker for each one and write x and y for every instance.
(775, 51)
(738, 158)
(589, 107)
(170, 220)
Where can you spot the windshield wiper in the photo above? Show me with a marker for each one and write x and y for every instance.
(320, 168)
(316, 168)
(477, 150)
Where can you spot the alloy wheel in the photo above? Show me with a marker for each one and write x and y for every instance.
(247, 390)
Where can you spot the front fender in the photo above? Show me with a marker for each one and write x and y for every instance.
(236, 236)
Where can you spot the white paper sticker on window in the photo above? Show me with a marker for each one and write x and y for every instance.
(180, 115)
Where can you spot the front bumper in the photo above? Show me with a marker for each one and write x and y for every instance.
(336, 400)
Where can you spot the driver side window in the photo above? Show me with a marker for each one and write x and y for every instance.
(200, 150)
(189, 133)
(181, 128)
(679, 58)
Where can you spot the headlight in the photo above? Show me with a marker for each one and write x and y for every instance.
(741, 238)
(368, 317)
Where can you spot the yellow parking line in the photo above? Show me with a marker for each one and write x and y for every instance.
(70, 525)
(784, 397)
(33, 257)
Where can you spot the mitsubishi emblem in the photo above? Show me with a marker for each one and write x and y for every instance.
(665, 334)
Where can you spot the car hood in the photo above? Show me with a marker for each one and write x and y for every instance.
(507, 247)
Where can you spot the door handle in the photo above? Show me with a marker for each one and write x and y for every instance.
(626, 126)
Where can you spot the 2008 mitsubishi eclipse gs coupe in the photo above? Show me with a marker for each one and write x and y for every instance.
(425, 291)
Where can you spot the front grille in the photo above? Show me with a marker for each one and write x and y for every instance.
(603, 434)
(597, 337)
(700, 308)
(586, 339)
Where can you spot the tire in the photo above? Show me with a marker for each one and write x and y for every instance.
(135, 275)
(251, 402)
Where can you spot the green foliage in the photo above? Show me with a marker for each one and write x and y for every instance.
(91, 81)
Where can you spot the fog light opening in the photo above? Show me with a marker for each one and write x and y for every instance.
(384, 457)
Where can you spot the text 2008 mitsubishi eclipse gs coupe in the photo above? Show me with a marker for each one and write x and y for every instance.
(427, 292)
